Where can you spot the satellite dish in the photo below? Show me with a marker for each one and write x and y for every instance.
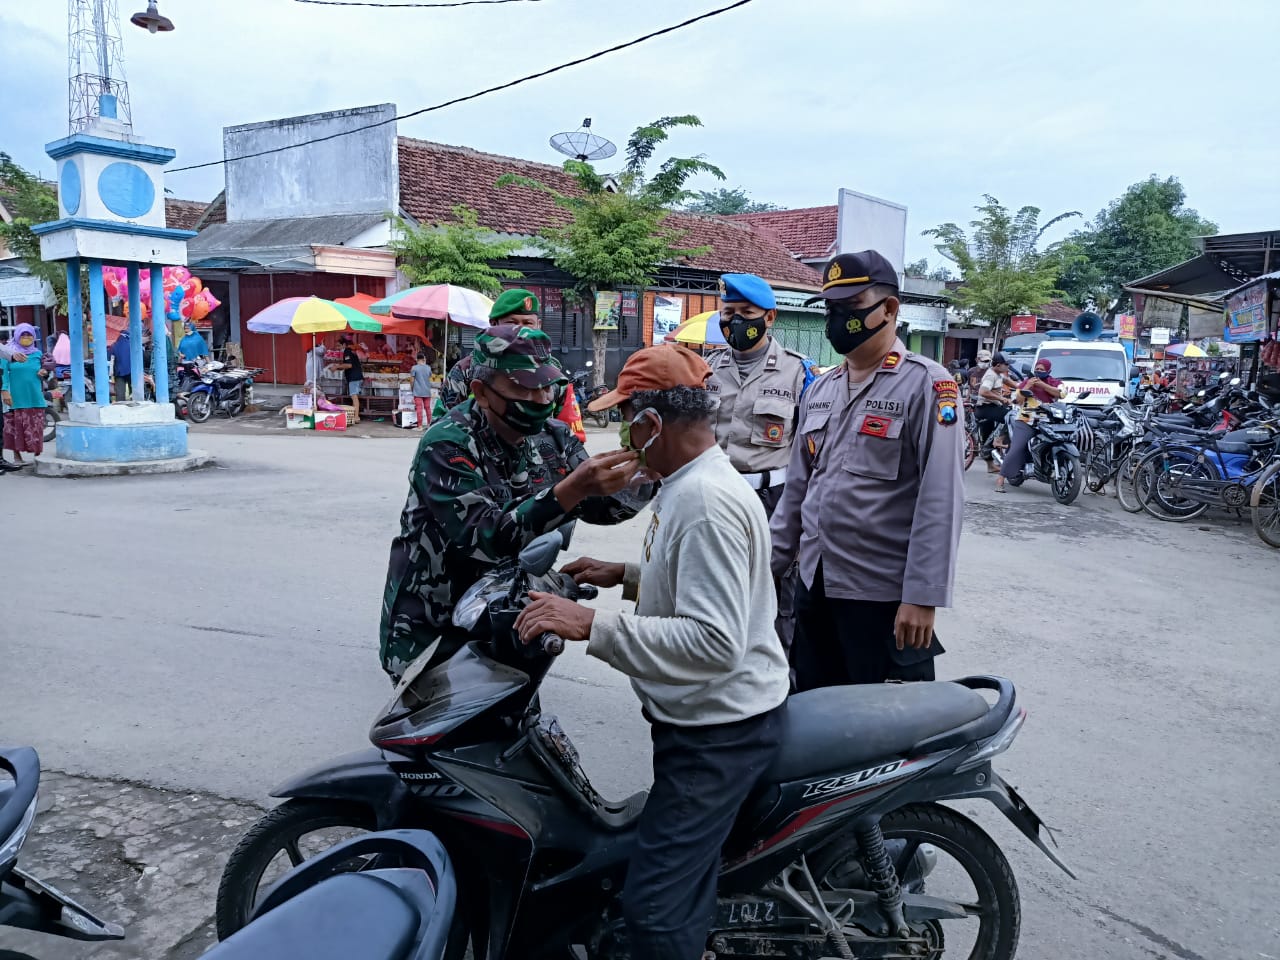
(582, 144)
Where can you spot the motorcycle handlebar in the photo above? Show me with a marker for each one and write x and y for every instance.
(551, 644)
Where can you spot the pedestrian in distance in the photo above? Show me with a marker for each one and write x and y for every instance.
(352, 371)
(421, 373)
(875, 493)
(23, 396)
(121, 354)
(700, 647)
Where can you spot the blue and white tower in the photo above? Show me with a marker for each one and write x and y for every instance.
(111, 211)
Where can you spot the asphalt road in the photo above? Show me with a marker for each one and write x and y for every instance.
(217, 632)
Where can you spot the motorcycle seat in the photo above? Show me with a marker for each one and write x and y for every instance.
(350, 915)
(835, 728)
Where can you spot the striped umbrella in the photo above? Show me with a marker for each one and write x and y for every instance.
(702, 329)
(437, 301)
(310, 315)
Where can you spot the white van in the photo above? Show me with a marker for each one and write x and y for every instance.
(1091, 371)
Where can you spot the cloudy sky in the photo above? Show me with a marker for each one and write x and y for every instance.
(930, 103)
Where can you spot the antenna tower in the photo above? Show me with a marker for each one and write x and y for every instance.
(95, 66)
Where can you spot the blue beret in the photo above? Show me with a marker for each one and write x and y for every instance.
(739, 287)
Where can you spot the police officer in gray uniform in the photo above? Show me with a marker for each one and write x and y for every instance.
(874, 497)
(759, 383)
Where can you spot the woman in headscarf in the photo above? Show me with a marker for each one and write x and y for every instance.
(192, 345)
(23, 395)
(1034, 390)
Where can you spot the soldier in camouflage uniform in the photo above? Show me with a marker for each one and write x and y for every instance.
(493, 474)
(518, 307)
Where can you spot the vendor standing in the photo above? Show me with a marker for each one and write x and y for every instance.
(23, 396)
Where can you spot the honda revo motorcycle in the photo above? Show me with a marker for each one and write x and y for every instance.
(1060, 437)
(830, 857)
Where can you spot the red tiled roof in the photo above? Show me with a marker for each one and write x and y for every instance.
(183, 214)
(1058, 311)
(434, 178)
(809, 232)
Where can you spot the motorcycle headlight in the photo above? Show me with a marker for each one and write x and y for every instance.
(10, 847)
(467, 611)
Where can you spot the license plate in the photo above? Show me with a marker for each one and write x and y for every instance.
(746, 913)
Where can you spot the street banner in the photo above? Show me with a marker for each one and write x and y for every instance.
(1203, 323)
(1127, 327)
(1159, 336)
(1158, 312)
(1246, 317)
(608, 310)
(667, 311)
(1022, 324)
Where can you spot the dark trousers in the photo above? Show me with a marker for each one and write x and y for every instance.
(1019, 450)
(701, 776)
(851, 641)
(989, 416)
(784, 624)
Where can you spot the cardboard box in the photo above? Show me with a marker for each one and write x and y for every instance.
(327, 420)
(296, 419)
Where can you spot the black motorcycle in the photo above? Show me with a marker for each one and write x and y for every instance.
(585, 393)
(25, 902)
(829, 857)
(220, 388)
(1059, 438)
(402, 911)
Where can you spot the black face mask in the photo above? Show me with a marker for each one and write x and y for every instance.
(847, 326)
(743, 333)
(526, 417)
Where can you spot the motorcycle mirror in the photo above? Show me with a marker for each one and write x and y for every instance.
(566, 534)
(539, 556)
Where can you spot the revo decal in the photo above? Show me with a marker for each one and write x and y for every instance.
(822, 788)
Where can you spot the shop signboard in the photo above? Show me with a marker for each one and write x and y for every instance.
(552, 301)
(1160, 336)
(608, 310)
(1127, 327)
(1246, 317)
(1023, 323)
(1158, 312)
(667, 311)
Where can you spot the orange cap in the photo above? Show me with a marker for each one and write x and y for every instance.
(659, 367)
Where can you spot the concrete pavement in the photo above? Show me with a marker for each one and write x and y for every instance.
(233, 642)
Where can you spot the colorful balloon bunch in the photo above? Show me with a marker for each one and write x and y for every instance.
(193, 303)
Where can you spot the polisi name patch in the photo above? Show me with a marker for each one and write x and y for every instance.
(892, 408)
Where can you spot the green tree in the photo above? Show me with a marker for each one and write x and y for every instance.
(615, 235)
(920, 268)
(1002, 270)
(1142, 232)
(30, 200)
(724, 201)
(461, 253)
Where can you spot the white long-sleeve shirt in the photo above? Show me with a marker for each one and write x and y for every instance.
(701, 647)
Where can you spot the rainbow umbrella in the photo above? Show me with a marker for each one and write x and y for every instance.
(308, 315)
(702, 329)
(437, 301)
(1184, 350)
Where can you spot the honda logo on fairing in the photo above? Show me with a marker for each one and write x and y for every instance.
(831, 785)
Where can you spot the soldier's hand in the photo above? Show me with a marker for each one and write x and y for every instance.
(913, 626)
(598, 573)
(598, 476)
(552, 614)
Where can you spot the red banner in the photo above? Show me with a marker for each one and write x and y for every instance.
(1022, 324)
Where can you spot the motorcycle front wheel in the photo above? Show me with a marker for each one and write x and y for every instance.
(295, 831)
(1067, 477)
(200, 406)
(969, 868)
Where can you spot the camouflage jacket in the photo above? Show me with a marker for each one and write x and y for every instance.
(473, 502)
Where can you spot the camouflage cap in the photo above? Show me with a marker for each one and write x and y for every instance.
(522, 353)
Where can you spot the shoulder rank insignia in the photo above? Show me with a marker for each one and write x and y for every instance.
(891, 361)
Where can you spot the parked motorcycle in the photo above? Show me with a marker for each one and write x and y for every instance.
(829, 857)
(1058, 438)
(401, 910)
(25, 902)
(585, 393)
(222, 389)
